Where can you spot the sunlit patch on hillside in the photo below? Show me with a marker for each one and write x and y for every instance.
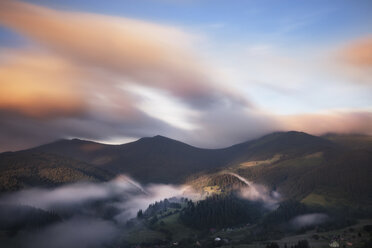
(272, 160)
(209, 190)
(91, 147)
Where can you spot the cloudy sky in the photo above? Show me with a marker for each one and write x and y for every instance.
(208, 72)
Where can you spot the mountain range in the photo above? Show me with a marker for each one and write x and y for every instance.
(331, 169)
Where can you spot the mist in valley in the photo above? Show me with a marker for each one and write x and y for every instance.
(92, 214)
(96, 214)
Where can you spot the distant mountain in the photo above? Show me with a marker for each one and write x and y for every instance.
(285, 143)
(155, 159)
(160, 159)
(299, 165)
(310, 169)
(353, 141)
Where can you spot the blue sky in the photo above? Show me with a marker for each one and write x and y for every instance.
(267, 64)
(287, 22)
(298, 20)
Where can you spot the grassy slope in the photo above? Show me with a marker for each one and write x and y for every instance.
(156, 160)
(171, 224)
(353, 141)
(163, 160)
(331, 178)
(29, 169)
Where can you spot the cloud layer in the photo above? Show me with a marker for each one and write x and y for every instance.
(103, 78)
(93, 214)
(145, 53)
(122, 193)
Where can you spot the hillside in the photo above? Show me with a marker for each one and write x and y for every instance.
(34, 169)
(175, 160)
(156, 159)
(324, 174)
(251, 192)
(297, 164)
(352, 141)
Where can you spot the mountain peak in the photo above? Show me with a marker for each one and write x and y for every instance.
(160, 137)
(157, 138)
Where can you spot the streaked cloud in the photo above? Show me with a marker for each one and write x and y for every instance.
(111, 78)
(150, 54)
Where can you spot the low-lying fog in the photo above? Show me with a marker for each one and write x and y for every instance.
(257, 192)
(122, 193)
(95, 214)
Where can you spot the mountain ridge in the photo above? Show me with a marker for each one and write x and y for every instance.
(178, 158)
(293, 162)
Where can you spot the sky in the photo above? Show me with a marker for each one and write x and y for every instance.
(209, 73)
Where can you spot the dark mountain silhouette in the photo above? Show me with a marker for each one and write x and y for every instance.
(160, 159)
(297, 164)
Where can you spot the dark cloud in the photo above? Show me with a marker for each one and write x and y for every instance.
(21, 132)
(231, 124)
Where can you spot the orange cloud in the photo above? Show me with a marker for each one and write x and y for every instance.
(358, 53)
(332, 121)
(131, 51)
(156, 55)
(90, 57)
(39, 86)
(353, 61)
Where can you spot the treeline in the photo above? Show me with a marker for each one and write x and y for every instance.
(159, 208)
(288, 210)
(16, 218)
(220, 211)
(26, 169)
(227, 182)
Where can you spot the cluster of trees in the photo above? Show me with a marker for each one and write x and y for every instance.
(24, 169)
(220, 211)
(286, 211)
(226, 182)
(289, 209)
(277, 221)
(158, 208)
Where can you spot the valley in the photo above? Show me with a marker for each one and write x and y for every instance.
(245, 195)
